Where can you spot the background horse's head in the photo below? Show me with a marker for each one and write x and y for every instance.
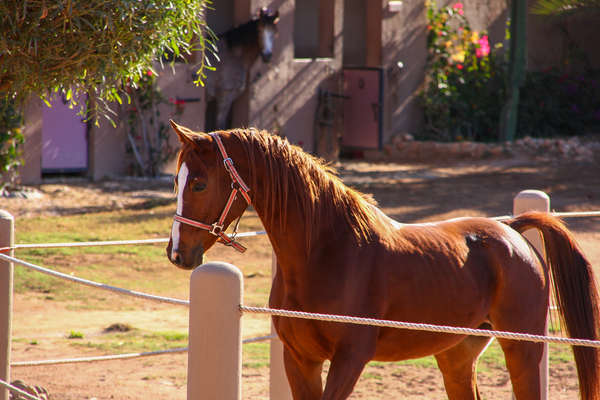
(203, 187)
(267, 30)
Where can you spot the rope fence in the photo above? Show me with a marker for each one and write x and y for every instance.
(257, 310)
(122, 356)
(97, 285)
(106, 242)
(421, 326)
(570, 214)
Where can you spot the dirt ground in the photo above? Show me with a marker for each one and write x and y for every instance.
(406, 192)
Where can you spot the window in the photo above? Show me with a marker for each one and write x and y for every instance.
(313, 28)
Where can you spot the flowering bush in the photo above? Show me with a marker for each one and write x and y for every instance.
(464, 89)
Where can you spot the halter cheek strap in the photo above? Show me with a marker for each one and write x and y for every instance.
(237, 186)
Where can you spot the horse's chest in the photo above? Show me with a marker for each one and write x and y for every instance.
(304, 337)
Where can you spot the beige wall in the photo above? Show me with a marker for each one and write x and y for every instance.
(106, 150)
(31, 171)
(180, 84)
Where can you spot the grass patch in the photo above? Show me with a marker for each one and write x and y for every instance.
(255, 355)
(136, 340)
(75, 335)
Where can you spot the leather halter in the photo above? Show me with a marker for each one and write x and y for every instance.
(237, 185)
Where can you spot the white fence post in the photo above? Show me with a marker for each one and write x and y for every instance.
(279, 388)
(215, 335)
(536, 200)
(7, 236)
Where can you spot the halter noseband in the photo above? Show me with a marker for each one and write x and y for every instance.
(237, 185)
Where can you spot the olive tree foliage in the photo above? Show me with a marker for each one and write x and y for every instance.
(94, 47)
(100, 48)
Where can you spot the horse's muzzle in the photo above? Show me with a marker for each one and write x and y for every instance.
(185, 260)
(266, 57)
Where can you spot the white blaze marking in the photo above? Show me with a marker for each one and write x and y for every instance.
(181, 182)
(268, 39)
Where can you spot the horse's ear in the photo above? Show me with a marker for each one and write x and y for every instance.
(186, 135)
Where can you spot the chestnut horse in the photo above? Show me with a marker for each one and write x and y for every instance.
(338, 254)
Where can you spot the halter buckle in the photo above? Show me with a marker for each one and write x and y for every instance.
(216, 229)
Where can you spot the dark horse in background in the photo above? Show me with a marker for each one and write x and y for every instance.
(238, 49)
(339, 254)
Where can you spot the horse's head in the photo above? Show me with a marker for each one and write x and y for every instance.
(267, 31)
(207, 197)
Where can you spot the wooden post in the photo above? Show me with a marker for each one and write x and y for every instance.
(516, 69)
(279, 388)
(536, 200)
(215, 335)
(7, 236)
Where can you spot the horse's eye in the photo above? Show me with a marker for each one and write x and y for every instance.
(198, 186)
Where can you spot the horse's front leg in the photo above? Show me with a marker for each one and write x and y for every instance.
(303, 374)
(348, 363)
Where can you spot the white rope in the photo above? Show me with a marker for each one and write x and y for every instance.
(259, 339)
(421, 327)
(107, 242)
(15, 389)
(97, 358)
(573, 214)
(576, 214)
(122, 356)
(97, 285)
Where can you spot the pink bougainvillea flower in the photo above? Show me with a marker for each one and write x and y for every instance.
(149, 72)
(484, 47)
(458, 7)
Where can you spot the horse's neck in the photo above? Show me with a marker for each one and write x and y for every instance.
(288, 227)
(287, 237)
(241, 43)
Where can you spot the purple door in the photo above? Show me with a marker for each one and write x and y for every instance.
(64, 138)
(362, 108)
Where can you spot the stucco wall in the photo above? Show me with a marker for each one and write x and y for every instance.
(31, 171)
(179, 84)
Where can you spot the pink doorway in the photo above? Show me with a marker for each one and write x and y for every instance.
(362, 108)
(64, 138)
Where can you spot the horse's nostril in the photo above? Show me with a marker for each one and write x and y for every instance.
(175, 257)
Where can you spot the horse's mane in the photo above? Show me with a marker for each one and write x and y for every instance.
(292, 175)
(241, 34)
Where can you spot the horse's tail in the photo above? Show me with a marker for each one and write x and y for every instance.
(576, 293)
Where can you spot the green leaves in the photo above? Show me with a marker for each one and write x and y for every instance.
(563, 7)
(11, 140)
